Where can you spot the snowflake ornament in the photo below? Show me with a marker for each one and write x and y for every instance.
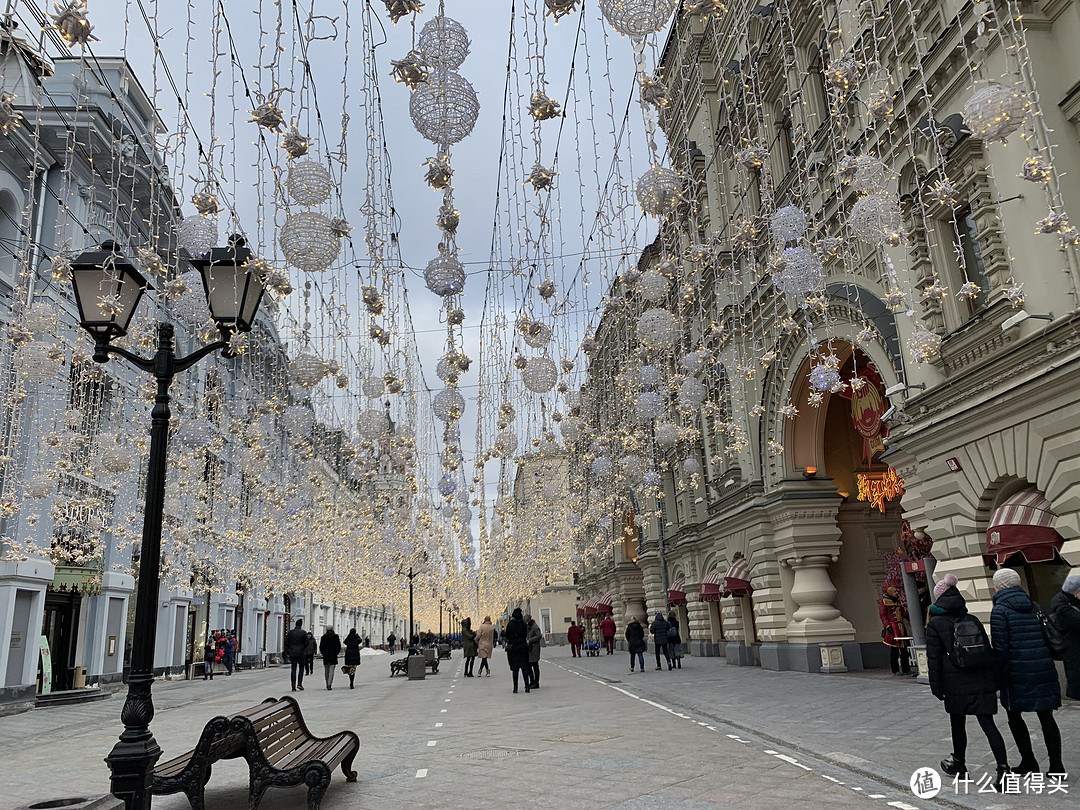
(295, 144)
(789, 411)
(1015, 295)
(542, 107)
(410, 70)
(267, 114)
(935, 291)
(439, 171)
(9, 116)
(71, 21)
(969, 291)
(943, 192)
(541, 178)
(402, 8)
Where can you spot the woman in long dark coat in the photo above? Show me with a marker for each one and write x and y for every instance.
(1030, 682)
(635, 642)
(517, 649)
(353, 643)
(964, 692)
(468, 645)
(329, 648)
(1066, 608)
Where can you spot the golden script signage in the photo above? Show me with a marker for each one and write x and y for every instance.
(877, 488)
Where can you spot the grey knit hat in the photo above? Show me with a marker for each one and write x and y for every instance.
(1006, 578)
(1071, 585)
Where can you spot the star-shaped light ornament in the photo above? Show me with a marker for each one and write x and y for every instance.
(815, 399)
(969, 291)
(542, 106)
(71, 21)
(757, 411)
(402, 8)
(205, 201)
(372, 300)
(895, 299)
(789, 411)
(410, 70)
(865, 336)
(1052, 223)
(943, 192)
(439, 171)
(61, 268)
(295, 144)
(9, 116)
(541, 178)
(448, 218)
(857, 383)
(268, 114)
(653, 92)
(340, 227)
(560, 8)
(546, 289)
(1036, 170)
(700, 8)
(935, 291)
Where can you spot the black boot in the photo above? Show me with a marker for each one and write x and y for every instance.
(1026, 766)
(999, 783)
(953, 766)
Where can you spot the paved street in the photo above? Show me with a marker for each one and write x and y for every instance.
(592, 737)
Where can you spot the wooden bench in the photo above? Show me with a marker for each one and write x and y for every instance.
(279, 749)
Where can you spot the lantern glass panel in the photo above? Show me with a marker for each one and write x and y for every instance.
(107, 291)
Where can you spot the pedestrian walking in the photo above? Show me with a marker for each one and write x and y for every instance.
(535, 639)
(574, 634)
(895, 630)
(352, 655)
(391, 640)
(1030, 680)
(230, 651)
(659, 629)
(296, 646)
(329, 648)
(635, 642)
(367, 641)
(1066, 608)
(964, 688)
(310, 648)
(209, 654)
(674, 640)
(517, 647)
(468, 645)
(485, 643)
(607, 632)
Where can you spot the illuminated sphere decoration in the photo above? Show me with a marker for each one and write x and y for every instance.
(602, 467)
(657, 329)
(309, 182)
(114, 458)
(871, 175)
(572, 429)
(194, 432)
(924, 345)
(372, 424)
(197, 234)
(37, 362)
(447, 486)
(692, 393)
(38, 487)
(798, 272)
(306, 370)
(506, 443)
(667, 435)
(445, 275)
(876, 219)
(637, 18)
(537, 336)
(307, 239)
(448, 404)
(299, 421)
(651, 479)
(540, 374)
(658, 191)
(653, 285)
(443, 43)
(996, 111)
(824, 378)
(191, 304)
(445, 108)
(649, 405)
(788, 224)
(373, 386)
(649, 376)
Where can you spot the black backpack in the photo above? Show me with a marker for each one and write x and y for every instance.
(971, 648)
(1055, 641)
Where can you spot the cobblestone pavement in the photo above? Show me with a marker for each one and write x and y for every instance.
(602, 740)
(869, 723)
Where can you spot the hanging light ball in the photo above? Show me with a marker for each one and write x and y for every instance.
(924, 345)
(197, 234)
(443, 43)
(38, 487)
(798, 272)
(37, 361)
(309, 182)
(445, 275)
(540, 374)
(114, 458)
(372, 424)
(307, 239)
(649, 405)
(692, 394)
(695, 362)
(447, 486)
(444, 109)
(537, 335)
(658, 191)
(602, 466)
(299, 421)
(824, 378)
(191, 305)
(666, 434)
(651, 480)
(306, 370)
(871, 175)
(657, 329)
(194, 432)
(649, 376)
(995, 111)
(788, 224)
(373, 386)
(653, 285)
(691, 466)
(876, 219)
(448, 404)
(506, 443)
(637, 18)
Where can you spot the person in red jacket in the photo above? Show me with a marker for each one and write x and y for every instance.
(607, 631)
(574, 634)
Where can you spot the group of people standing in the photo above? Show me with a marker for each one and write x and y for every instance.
(522, 640)
(220, 648)
(968, 671)
(477, 644)
(666, 641)
(300, 646)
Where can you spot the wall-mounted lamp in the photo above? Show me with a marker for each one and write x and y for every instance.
(809, 472)
(1020, 317)
(900, 387)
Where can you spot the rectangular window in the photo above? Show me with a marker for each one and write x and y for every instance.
(966, 242)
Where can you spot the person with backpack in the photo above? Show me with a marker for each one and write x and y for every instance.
(1030, 680)
(961, 669)
(659, 628)
(674, 640)
(1066, 608)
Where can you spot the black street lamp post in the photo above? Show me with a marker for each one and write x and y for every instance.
(412, 624)
(107, 291)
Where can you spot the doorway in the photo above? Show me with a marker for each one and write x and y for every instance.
(60, 625)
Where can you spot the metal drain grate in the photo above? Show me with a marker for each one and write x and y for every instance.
(492, 753)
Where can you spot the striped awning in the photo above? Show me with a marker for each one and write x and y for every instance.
(603, 604)
(737, 579)
(1022, 525)
(710, 587)
(588, 608)
(676, 594)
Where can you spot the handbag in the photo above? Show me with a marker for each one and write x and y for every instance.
(1055, 641)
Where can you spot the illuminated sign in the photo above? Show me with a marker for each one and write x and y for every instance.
(877, 488)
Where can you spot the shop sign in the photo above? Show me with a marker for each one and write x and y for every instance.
(914, 566)
(70, 579)
(877, 488)
(46, 667)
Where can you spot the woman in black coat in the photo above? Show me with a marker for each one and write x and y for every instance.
(1066, 608)
(635, 642)
(329, 648)
(964, 692)
(1030, 682)
(517, 648)
(353, 642)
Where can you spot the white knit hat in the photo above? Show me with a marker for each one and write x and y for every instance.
(1006, 578)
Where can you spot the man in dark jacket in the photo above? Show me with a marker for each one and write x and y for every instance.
(1030, 682)
(964, 691)
(296, 649)
(329, 647)
(1066, 608)
(659, 628)
(535, 639)
(635, 642)
(310, 648)
(517, 648)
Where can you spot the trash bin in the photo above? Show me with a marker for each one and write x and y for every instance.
(417, 667)
(80, 678)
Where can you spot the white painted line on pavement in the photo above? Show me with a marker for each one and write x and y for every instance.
(447, 700)
(903, 806)
(831, 778)
(432, 743)
(442, 711)
(420, 774)
(791, 761)
(438, 725)
(877, 795)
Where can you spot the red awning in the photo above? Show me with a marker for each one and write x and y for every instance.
(710, 587)
(589, 607)
(1022, 525)
(580, 611)
(676, 594)
(603, 604)
(737, 579)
